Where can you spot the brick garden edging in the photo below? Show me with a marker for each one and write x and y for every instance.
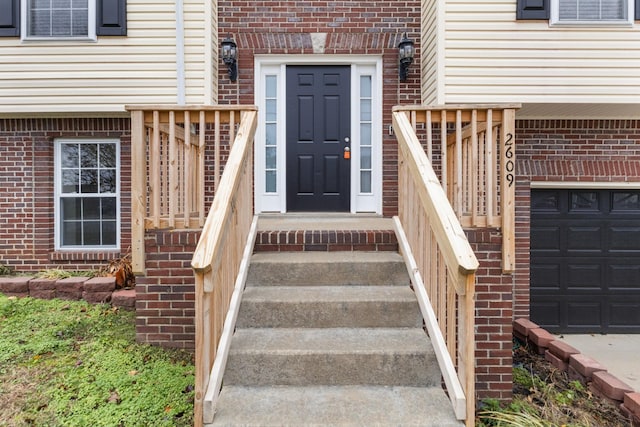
(93, 290)
(580, 367)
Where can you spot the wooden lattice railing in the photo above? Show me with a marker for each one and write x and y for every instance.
(477, 168)
(169, 145)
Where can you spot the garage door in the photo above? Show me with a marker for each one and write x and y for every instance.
(585, 260)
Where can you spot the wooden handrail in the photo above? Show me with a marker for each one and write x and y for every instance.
(218, 256)
(442, 265)
(476, 161)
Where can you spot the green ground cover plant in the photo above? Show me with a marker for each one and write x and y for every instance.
(70, 363)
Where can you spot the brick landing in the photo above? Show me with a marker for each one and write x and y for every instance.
(325, 233)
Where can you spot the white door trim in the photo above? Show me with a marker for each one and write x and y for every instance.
(275, 66)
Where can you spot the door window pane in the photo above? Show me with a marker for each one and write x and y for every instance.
(545, 200)
(365, 158)
(270, 186)
(626, 201)
(365, 182)
(584, 200)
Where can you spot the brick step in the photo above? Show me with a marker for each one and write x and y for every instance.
(325, 240)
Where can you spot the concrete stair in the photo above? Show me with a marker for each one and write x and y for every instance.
(331, 339)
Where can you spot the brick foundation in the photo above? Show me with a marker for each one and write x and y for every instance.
(165, 305)
(494, 313)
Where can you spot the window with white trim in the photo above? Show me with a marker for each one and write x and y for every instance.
(366, 142)
(87, 176)
(59, 19)
(271, 134)
(591, 12)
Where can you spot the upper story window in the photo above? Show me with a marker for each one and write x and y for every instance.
(591, 12)
(59, 19)
(62, 19)
(580, 12)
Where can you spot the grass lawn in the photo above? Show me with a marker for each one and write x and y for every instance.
(70, 363)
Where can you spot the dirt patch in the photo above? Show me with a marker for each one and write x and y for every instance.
(20, 398)
(558, 398)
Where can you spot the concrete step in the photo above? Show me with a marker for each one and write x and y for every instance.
(340, 356)
(334, 406)
(327, 268)
(329, 307)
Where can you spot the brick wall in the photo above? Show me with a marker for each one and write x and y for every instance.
(26, 191)
(352, 27)
(494, 311)
(568, 151)
(165, 308)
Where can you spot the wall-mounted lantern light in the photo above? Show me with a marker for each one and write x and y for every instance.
(406, 52)
(230, 57)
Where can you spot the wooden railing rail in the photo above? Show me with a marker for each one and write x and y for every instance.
(442, 265)
(476, 149)
(218, 255)
(169, 147)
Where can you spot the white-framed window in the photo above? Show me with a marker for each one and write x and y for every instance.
(58, 19)
(87, 194)
(599, 12)
(271, 134)
(366, 137)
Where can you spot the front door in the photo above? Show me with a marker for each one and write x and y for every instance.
(318, 138)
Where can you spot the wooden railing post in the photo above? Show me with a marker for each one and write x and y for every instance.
(508, 190)
(138, 191)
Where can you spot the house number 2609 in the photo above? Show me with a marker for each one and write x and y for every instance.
(509, 165)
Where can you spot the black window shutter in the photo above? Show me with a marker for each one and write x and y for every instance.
(111, 17)
(533, 9)
(9, 18)
(637, 10)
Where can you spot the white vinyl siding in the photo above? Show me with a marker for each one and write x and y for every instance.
(105, 75)
(490, 57)
(431, 47)
(195, 47)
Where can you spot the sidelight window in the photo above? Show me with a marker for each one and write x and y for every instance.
(365, 133)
